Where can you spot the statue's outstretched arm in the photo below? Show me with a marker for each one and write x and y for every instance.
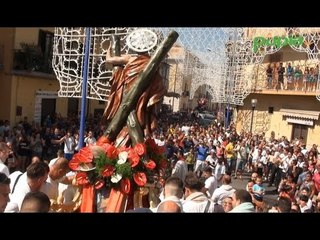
(117, 60)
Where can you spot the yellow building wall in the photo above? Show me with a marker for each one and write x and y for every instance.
(267, 122)
(28, 35)
(24, 90)
(94, 105)
(19, 90)
(62, 106)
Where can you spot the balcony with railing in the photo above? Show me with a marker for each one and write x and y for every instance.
(30, 60)
(302, 80)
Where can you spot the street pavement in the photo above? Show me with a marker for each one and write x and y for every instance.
(270, 196)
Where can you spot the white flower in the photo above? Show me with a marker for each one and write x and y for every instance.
(122, 157)
(116, 178)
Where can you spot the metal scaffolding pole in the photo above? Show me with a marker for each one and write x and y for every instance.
(84, 86)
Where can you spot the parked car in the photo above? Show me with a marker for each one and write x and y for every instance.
(206, 118)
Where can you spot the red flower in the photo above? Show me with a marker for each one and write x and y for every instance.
(125, 185)
(133, 158)
(99, 184)
(110, 150)
(85, 155)
(123, 149)
(140, 178)
(82, 178)
(150, 164)
(107, 171)
(74, 163)
(102, 140)
(104, 157)
(140, 149)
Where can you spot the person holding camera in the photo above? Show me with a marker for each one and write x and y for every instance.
(69, 145)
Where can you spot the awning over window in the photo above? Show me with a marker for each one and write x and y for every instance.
(300, 121)
(302, 114)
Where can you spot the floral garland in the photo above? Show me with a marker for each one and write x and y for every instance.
(106, 165)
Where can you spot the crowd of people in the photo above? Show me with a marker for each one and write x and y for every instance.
(204, 160)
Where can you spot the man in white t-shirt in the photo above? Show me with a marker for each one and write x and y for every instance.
(226, 190)
(69, 145)
(90, 140)
(210, 183)
(212, 159)
(195, 200)
(180, 169)
(220, 170)
(173, 192)
(56, 175)
(30, 181)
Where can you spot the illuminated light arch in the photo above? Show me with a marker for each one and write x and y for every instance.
(225, 58)
(68, 57)
(222, 58)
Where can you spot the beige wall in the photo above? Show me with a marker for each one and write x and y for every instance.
(28, 35)
(20, 89)
(24, 95)
(94, 104)
(24, 89)
(265, 122)
(13, 91)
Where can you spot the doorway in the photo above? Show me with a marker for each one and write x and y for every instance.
(48, 108)
(73, 106)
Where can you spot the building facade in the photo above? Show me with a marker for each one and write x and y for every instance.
(180, 80)
(286, 106)
(29, 87)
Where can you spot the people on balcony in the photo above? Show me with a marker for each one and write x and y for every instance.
(269, 76)
(281, 71)
(297, 77)
(292, 77)
(311, 80)
(306, 76)
(289, 77)
(275, 75)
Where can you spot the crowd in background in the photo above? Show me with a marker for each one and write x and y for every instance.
(204, 159)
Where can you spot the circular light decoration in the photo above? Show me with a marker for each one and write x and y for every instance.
(142, 40)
